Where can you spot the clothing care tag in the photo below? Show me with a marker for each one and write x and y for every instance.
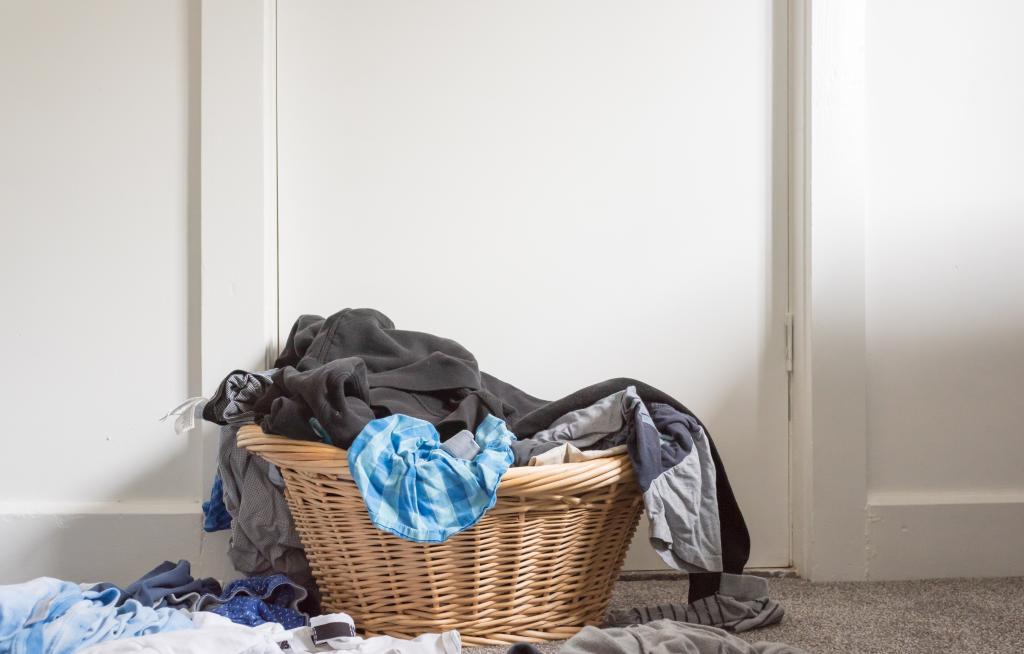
(332, 628)
(186, 414)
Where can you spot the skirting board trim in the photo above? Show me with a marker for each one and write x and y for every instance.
(948, 534)
(115, 542)
(671, 575)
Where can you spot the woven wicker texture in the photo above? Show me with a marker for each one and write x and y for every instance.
(538, 566)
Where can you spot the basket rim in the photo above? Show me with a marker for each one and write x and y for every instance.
(555, 479)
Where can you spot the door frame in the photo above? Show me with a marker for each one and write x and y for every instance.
(238, 164)
(828, 419)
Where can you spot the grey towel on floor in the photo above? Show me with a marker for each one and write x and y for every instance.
(667, 637)
(741, 605)
(714, 611)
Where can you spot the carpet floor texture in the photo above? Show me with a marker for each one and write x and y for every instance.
(983, 616)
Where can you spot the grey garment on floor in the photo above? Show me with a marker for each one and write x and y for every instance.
(740, 605)
(263, 536)
(743, 587)
(714, 611)
(682, 503)
(667, 637)
(462, 445)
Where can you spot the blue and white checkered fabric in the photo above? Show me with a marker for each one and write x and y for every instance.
(416, 490)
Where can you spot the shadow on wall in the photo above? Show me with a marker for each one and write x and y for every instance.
(944, 409)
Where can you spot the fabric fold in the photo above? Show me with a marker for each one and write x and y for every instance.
(415, 489)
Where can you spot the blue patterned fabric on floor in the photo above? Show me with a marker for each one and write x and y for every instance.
(256, 600)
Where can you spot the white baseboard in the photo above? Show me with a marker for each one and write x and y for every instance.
(116, 542)
(924, 535)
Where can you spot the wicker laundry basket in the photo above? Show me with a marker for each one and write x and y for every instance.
(538, 566)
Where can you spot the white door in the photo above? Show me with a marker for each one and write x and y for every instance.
(574, 190)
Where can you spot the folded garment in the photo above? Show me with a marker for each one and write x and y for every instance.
(232, 403)
(741, 604)
(254, 601)
(163, 581)
(215, 514)
(569, 453)
(58, 617)
(462, 445)
(415, 489)
(661, 637)
(214, 634)
(599, 426)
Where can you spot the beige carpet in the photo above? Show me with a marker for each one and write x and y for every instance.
(983, 616)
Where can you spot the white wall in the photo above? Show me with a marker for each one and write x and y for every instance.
(945, 287)
(98, 270)
(573, 190)
(99, 177)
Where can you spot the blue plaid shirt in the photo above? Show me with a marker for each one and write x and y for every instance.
(416, 490)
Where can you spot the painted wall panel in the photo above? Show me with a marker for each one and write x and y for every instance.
(573, 190)
(945, 237)
(97, 130)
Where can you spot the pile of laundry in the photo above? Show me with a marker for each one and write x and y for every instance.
(428, 438)
(167, 610)
(416, 414)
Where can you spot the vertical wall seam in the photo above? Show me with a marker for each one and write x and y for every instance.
(277, 195)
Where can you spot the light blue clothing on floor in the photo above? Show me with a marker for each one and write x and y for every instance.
(50, 616)
(416, 490)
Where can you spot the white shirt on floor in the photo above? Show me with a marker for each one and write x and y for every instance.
(215, 634)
